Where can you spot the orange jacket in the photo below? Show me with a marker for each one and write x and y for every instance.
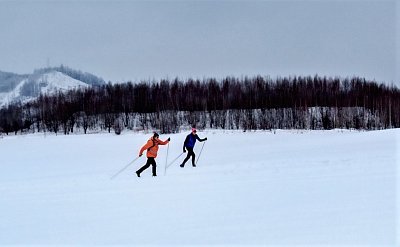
(152, 147)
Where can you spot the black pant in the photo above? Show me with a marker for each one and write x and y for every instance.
(150, 161)
(190, 153)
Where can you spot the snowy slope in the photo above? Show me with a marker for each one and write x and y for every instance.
(289, 188)
(58, 81)
(50, 82)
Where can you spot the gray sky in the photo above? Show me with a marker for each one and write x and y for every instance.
(134, 40)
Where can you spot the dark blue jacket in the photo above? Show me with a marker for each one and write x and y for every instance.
(190, 141)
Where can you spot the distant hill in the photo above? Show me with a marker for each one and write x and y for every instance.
(15, 87)
(75, 74)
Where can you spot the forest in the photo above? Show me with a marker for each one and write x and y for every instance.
(246, 103)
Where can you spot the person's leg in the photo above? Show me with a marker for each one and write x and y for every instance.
(154, 168)
(193, 157)
(190, 151)
(144, 167)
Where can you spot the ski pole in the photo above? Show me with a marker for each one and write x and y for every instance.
(166, 161)
(174, 160)
(197, 161)
(130, 163)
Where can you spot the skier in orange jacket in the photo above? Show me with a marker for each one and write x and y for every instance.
(152, 147)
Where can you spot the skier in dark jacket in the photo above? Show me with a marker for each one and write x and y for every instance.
(189, 143)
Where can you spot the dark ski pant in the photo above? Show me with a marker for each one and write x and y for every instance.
(150, 161)
(190, 153)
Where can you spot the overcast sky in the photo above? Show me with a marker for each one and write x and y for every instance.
(134, 40)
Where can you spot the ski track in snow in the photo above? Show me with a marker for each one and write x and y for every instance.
(289, 188)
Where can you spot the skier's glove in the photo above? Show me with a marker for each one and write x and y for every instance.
(140, 155)
(169, 139)
(205, 139)
(184, 150)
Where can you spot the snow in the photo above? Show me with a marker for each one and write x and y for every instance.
(48, 83)
(263, 188)
(59, 81)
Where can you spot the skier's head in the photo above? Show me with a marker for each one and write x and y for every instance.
(156, 135)
(194, 130)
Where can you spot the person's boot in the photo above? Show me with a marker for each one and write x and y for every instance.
(194, 165)
(182, 165)
(138, 174)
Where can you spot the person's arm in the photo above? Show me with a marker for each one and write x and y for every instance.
(163, 142)
(201, 140)
(145, 147)
(184, 143)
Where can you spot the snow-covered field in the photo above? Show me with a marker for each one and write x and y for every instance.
(288, 188)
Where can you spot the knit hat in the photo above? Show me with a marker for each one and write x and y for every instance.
(156, 134)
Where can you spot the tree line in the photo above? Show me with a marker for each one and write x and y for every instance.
(230, 103)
